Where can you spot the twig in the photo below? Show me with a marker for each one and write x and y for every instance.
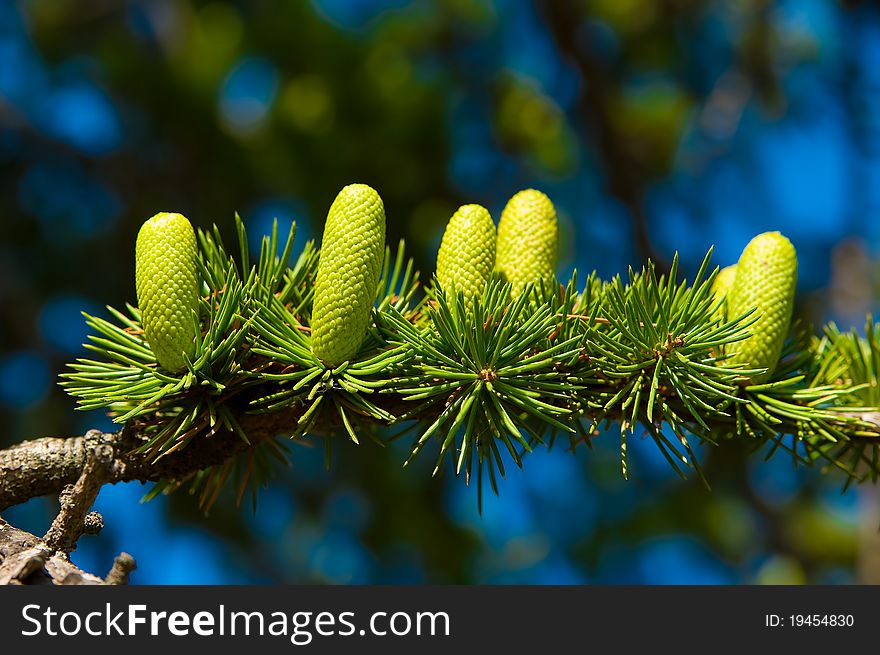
(27, 559)
(599, 319)
(123, 565)
(76, 501)
(870, 417)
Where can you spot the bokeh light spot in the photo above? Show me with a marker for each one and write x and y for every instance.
(247, 94)
(24, 379)
(62, 324)
(82, 116)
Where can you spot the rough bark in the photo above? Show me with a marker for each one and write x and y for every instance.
(46, 466)
(73, 518)
(76, 468)
(26, 559)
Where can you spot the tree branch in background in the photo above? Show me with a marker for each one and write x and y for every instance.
(624, 172)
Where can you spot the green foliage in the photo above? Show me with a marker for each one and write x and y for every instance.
(487, 376)
(484, 380)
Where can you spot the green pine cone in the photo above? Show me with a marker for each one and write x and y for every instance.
(167, 284)
(766, 277)
(721, 289)
(348, 273)
(527, 240)
(467, 252)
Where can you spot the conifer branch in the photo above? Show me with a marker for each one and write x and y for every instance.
(480, 370)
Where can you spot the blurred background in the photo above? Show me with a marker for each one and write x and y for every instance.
(654, 126)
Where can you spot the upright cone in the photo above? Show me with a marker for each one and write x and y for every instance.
(766, 277)
(527, 240)
(467, 252)
(167, 284)
(348, 273)
(721, 290)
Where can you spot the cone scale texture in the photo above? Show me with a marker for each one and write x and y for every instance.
(167, 284)
(527, 240)
(766, 277)
(352, 250)
(721, 289)
(467, 252)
